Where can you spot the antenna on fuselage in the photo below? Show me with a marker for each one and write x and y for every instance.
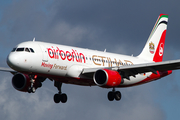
(34, 39)
(105, 50)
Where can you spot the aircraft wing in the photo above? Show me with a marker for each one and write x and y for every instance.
(8, 70)
(132, 70)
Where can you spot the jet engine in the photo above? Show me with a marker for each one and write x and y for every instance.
(107, 78)
(22, 82)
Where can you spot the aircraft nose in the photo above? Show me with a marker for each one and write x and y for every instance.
(12, 60)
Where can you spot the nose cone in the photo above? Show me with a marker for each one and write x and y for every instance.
(12, 60)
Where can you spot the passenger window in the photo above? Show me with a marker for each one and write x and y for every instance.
(20, 49)
(27, 50)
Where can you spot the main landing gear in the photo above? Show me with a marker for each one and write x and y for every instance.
(59, 97)
(114, 95)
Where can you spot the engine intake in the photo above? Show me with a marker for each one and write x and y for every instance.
(21, 82)
(107, 78)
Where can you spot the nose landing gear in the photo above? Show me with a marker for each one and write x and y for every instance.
(32, 89)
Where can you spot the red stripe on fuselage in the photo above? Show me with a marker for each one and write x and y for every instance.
(90, 82)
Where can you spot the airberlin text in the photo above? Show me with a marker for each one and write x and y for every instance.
(73, 55)
(55, 66)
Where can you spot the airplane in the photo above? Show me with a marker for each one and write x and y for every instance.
(32, 62)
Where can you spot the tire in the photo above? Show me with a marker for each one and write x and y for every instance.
(63, 98)
(33, 89)
(57, 98)
(117, 95)
(29, 90)
(111, 96)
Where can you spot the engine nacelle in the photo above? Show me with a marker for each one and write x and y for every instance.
(21, 82)
(107, 78)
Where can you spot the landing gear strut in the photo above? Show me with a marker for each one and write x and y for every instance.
(114, 95)
(59, 97)
(32, 89)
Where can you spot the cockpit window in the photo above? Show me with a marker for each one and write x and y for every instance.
(20, 49)
(31, 50)
(14, 49)
(27, 50)
(23, 49)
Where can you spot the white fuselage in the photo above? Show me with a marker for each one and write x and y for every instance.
(62, 62)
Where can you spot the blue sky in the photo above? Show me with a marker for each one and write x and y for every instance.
(118, 26)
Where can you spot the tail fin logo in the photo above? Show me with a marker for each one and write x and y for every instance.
(151, 48)
(154, 48)
(161, 49)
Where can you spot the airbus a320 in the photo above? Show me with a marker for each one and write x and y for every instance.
(32, 62)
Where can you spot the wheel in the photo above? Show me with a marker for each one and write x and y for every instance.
(111, 96)
(33, 89)
(63, 98)
(117, 95)
(57, 98)
(29, 90)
